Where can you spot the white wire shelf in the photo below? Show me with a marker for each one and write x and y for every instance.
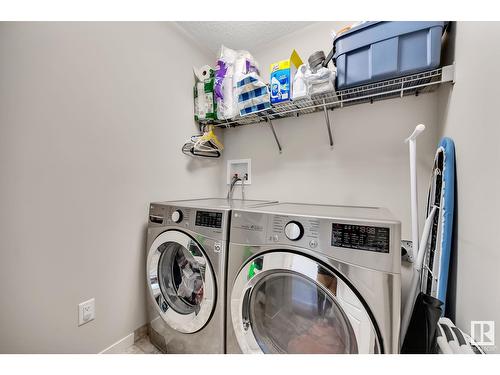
(414, 84)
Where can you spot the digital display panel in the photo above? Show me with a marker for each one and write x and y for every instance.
(209, 219)
(361, 237)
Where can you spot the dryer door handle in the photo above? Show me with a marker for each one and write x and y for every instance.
(245, 310)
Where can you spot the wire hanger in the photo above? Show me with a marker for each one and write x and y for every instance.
(205, 145)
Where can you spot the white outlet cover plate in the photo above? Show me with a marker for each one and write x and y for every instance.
(237, 164)
(86, 311)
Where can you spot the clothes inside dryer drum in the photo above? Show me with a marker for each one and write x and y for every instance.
(181, 274)
(292, 314)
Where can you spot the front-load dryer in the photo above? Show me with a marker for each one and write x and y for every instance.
(185, 271)
(313, 279)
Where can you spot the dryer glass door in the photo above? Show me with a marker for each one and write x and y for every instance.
(181, 281)
(288, 303)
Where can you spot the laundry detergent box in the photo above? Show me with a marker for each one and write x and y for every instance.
(282, 73)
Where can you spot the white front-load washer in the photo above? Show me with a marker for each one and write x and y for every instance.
(313, 279)
(185, 272)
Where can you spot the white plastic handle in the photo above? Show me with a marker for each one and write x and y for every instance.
(412, 142)
(418, 130)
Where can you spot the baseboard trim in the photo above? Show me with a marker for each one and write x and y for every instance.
(121, 345)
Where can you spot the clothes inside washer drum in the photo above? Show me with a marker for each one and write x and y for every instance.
(181, 277)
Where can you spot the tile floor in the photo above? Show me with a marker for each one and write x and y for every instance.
(142, 346)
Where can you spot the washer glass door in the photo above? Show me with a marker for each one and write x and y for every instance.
(181, 281)
(288, 303)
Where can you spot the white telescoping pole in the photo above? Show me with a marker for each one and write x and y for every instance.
(412, 141)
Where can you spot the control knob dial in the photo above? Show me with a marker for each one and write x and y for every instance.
(294, 230)
(177, 216)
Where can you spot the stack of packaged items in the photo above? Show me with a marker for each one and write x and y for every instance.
(203, 94)
(298, 85)
(224, 73)
(238, 87)
(235, 88)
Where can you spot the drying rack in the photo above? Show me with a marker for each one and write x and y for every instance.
(414, 84)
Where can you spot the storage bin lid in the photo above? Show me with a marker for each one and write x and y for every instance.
(357, 28)
(359, 36)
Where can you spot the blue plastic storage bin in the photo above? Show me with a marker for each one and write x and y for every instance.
(376, 51)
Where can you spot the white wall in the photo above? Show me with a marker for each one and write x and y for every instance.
(92, 117)
(468, 113)
(368, 164)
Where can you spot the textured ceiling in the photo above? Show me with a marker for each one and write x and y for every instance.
(246, 35)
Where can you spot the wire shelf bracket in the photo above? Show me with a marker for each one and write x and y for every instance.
(275, 136)
(328, 126)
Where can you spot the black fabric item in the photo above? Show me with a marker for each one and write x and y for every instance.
(421, 335)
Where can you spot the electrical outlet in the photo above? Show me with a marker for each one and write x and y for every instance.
(240, 167)
(86, 311)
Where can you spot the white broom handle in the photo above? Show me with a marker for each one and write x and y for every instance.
(414, 197)
(412, 141)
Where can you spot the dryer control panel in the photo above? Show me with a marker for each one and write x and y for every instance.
(304, 231)
(361, 237)
(371, 243)
(368, 244)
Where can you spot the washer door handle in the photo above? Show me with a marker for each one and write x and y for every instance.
(245, 313)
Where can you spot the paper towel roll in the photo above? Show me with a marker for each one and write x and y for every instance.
(202, 73)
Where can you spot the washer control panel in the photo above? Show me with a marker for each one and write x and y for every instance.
(208, 222)
(209, 219)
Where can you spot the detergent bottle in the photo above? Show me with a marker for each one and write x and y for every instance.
(275, 89)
